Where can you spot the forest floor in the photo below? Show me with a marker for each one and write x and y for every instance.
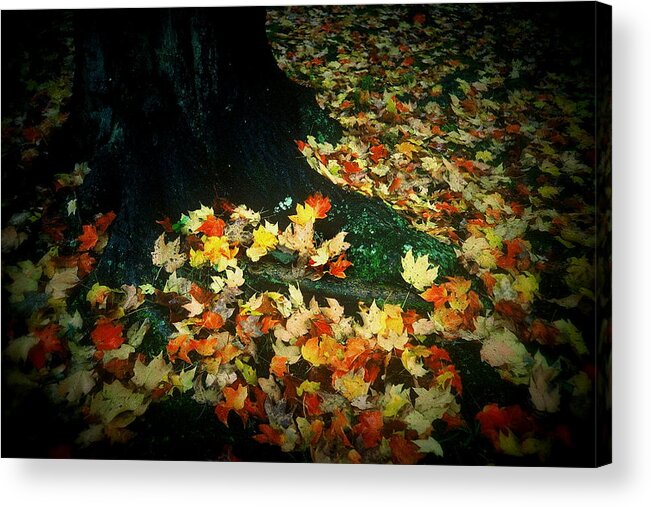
(475, 125)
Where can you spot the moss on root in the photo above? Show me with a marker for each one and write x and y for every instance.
(379, 238)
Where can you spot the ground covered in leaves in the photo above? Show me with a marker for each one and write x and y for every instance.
(462, 119)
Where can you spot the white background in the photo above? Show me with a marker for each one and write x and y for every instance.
(626, 482)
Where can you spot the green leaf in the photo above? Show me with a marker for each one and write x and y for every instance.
(247, 372)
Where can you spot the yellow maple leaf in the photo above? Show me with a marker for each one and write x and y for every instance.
(526, 285)
(304, 214)
(311, 353)
(219, 252)
(98, 294)
(197, 258)
(407, 149)
(352, 385)
(394, 399)
(308, 386)
(265, 238)
(417, 272)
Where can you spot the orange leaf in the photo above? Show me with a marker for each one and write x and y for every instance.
(338, 426)
(278, 366)
(395, 184)
(513, 129)
(403, 451)
(437, 295)
(120, 368)
(317, 430)
(107, 336)
(544, 333)
(420, 19)
(180, 347)
(320, 327)
(212, 320)
(408, 319)
(233, 400)
(269, 435)
(88, 238)
(320, 204)
(200, 294)
(256, 408)
(206, 347)
(267, 323)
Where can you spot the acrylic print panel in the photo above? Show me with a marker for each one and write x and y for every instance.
(339, 234)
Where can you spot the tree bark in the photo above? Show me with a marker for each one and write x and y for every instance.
(174, 107)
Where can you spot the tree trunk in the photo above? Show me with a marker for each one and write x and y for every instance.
(173, 107)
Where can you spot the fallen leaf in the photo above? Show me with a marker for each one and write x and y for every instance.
(417, 272)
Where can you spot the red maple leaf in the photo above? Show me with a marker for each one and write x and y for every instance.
(120, 368)
(515, 250)
(320, 204)
(395, 184)
(370, 427)
(513, 129)
(107, 336)
(166, 224)
(213, 226)
(200, 294)
(438, 358)
(49, 339)
(351, 168)
(103, 221)
(510, 309)
(85, 264)
(543, 333)
(312, 404)
(32, 135)
(494, 419)
(320, 327)
(88, 239)
(53, 227)
(337, 268)
(378, 152)
(403, 451)
(256, 408)
(338, 425)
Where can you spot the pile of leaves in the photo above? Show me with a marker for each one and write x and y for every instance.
(476, 147)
